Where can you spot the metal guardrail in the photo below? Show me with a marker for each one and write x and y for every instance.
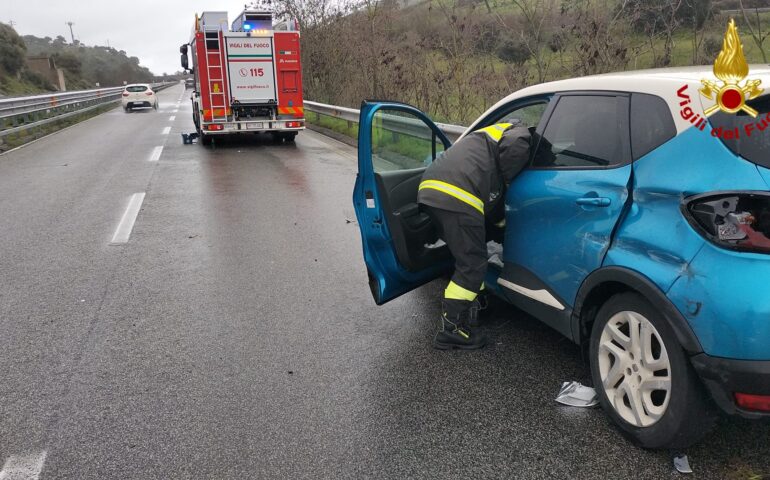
(405, 125)
(22, 113)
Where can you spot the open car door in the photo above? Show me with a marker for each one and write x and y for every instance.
(396, 142)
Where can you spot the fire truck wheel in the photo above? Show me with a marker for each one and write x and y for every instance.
(289, 137)
(206, 139)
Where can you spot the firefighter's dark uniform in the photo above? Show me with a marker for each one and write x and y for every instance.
(459, 191)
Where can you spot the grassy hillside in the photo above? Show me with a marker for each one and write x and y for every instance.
(84, 66)
(454, 58)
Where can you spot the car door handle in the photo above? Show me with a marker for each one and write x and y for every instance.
(594, 201)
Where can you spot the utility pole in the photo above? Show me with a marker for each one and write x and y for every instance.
(71, 34)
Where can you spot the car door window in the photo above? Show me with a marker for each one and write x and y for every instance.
(402, 141)
(651, 123)
(585, 131)
(528, 115)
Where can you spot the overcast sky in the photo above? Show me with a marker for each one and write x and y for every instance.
(151, 30)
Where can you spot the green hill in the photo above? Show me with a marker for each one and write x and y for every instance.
(84, 66)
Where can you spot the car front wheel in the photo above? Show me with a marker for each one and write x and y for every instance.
(643, 377)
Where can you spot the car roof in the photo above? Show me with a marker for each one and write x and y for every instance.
(662, 82)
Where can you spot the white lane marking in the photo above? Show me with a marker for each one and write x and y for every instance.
(155, 156)
(542, 296)
(166, 130)
(123, 232)
(175, 111)
(23, 467)
(172, 118)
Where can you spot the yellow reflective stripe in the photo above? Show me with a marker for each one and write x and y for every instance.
(495, 131)
(456, 292)
(456, 192)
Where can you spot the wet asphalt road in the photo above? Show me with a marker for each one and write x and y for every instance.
(234, 335)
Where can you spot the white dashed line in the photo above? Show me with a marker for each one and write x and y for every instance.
(175, 111)
(155, 156)
(23, 467)
(123, 232)
(172, 118)
(166, 130)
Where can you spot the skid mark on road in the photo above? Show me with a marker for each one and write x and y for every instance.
(23, 467)
(155, 155)
(123, 232)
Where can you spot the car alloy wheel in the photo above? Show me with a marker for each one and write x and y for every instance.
(634, 368)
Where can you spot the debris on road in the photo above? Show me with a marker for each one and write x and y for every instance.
(187, 138)
(682, 463)
(575, 394)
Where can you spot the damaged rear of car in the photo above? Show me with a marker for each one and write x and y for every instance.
(698, 231)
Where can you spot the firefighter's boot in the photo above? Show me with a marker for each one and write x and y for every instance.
(475, 320)
(454, 330)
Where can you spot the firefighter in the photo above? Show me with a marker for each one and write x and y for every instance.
(460, 192)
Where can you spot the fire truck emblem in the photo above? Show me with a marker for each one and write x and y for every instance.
(731, 68)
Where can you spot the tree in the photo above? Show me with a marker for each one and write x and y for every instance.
(68, 61)
(534, 36)
(12, 50)
(754, 25)
(657, 19)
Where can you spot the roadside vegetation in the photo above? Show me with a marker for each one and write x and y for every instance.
(455, 58)
(83, 66)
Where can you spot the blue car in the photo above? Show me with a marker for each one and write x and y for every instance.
(640, 230)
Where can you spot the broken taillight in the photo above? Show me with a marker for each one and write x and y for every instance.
(734, 220)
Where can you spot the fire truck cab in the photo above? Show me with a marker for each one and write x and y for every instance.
(248, 78)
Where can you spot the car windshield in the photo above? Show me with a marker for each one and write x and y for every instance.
(753, 139)
(136, 88)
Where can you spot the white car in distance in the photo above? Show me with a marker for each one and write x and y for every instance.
(139, 95)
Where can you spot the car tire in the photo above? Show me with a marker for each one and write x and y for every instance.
(626, 367)
(155, 105)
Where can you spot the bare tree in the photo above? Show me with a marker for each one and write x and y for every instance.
(755, 29)
(536, 14)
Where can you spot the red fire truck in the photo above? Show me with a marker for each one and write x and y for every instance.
(248, 77)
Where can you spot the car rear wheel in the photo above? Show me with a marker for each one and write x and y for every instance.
(644, 380)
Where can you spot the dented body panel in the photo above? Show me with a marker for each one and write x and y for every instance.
(725, 300)
(542, 217)
(720, 292)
